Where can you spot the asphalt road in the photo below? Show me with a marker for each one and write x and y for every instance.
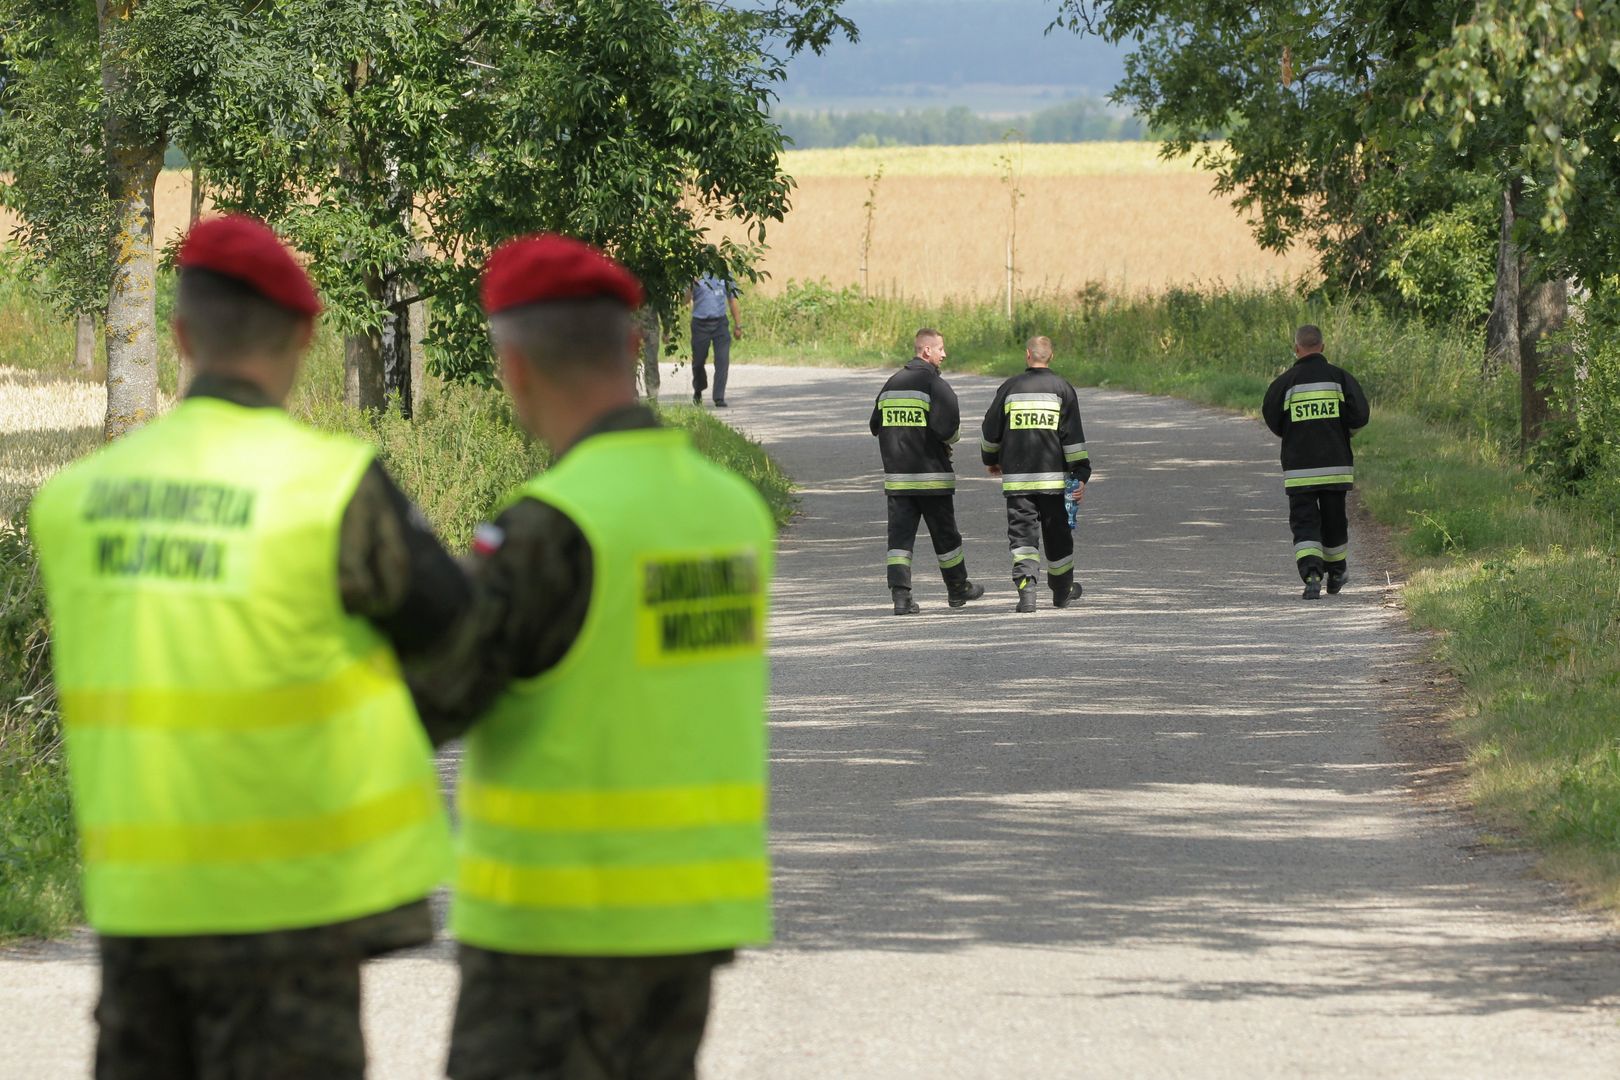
(1175, 831)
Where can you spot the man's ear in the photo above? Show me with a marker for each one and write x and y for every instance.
(182, 337)
(514, 371)
(306, 335)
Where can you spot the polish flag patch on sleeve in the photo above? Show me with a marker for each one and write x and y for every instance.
(487, 539)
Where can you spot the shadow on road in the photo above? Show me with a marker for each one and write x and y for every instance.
(1190, 761)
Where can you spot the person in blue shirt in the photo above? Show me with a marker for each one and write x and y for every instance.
(712, 297)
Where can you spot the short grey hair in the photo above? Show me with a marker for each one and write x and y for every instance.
(1039, 347)
(1308, 337)
(926, 334)
(568, 336)
(227, 319)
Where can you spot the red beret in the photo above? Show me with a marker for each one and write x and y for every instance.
(244, 248)
(532, 269)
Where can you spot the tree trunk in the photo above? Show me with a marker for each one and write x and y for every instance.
(418, 326)
(1502, 330)
(196, 195)
(395, 342)
(1544, 311)
(398, 347)
(651, 340)
(134, 159)
(84, 342)
(363, 382)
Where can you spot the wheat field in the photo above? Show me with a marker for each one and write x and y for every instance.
(1112, 213)
(45, 421)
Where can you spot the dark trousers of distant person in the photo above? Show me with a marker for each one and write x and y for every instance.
(580, 1017)
(1035, 520)
(262, 1007)
(905, 512)
(707, 332)
(1321, 532)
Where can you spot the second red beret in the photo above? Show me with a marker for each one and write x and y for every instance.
(244, 248)
(548, 266)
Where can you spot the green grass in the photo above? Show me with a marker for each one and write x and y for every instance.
(1521, 583)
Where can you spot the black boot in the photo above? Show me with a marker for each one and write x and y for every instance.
(959, 595)
(1026, 595)
(903, 603)
(1068, 598)
(1313, 588)
(1335, 582)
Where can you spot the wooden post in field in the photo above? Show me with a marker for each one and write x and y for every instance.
(1009, 277)
(866, 235)
(1010, 168)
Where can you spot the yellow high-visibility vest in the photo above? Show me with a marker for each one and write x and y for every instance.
(615, 805)
(244, 755)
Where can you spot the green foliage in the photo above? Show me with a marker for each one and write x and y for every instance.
(38, 855)
(1445, 264)
(460, 456)
(1550, 67)
(50, 144)
(463, 454)
(358, 126)
(1311, 103)
(1580, 454)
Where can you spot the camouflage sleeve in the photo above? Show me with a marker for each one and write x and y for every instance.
(394, 572)
(532, 575)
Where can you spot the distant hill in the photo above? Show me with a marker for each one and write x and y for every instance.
(1077, 120)
(992, 56)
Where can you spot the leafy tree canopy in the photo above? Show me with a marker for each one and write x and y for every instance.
(396, 141)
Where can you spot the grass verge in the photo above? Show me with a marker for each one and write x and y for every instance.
(1522, 584)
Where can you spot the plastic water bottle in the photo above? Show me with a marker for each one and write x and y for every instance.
(1070, 486)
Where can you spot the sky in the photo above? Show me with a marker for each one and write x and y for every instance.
(990, 55)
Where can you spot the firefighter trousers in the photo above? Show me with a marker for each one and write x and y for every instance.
(1037, 520)
(905, 511)
(1321, 532)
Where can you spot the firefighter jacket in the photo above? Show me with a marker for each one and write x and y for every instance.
(1314, 408)
(917, 421)
(1033, 432)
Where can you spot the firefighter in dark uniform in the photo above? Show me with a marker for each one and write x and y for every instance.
(232, 595)
(612, 793)
(1315, 408)
(917, 422)
(1033, 441)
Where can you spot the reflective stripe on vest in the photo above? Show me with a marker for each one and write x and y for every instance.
(1018, 483)
(615, 806)
(244, 756)
(933, 481)
(1308, 478)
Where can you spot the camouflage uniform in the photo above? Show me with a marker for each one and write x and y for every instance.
(580, 1018)
(553, 1017)
(286, 1004)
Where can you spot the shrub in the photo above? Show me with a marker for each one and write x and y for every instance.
(1446, 265)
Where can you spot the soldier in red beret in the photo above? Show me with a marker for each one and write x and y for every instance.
(232, 594)
(612, 798)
